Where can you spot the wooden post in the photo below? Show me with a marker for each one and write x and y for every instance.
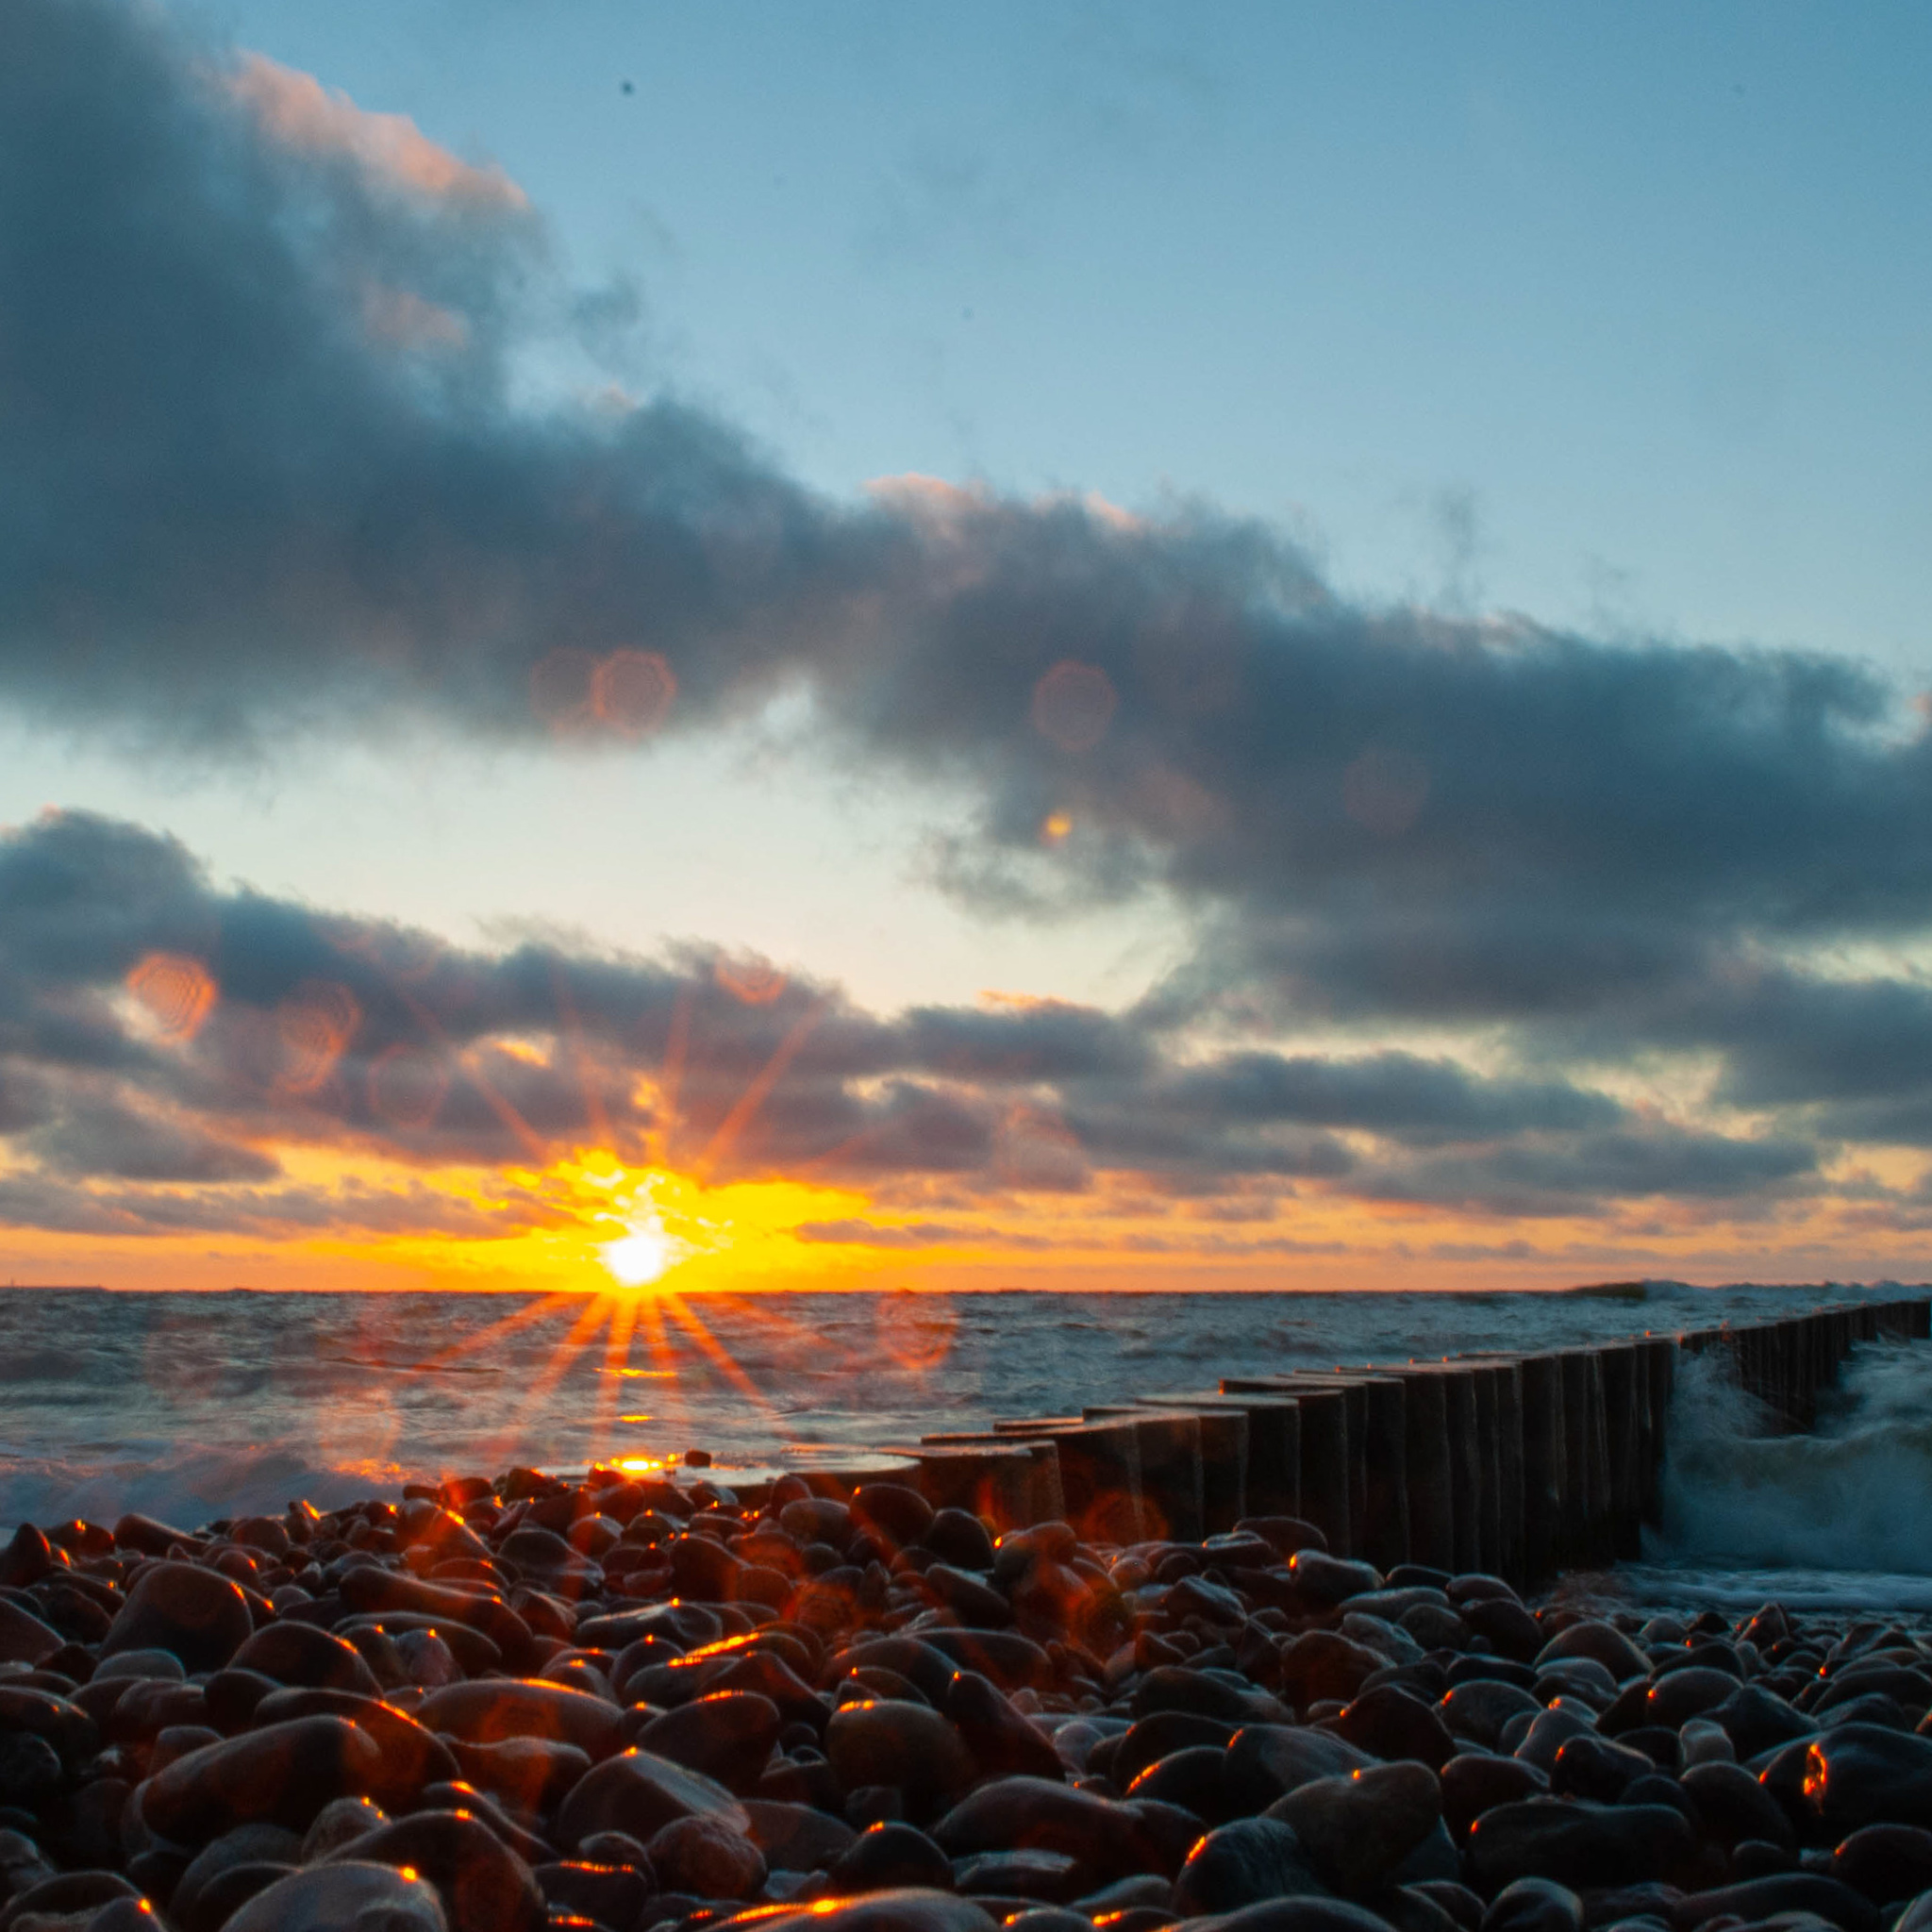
(1432, 1498)
(1100, 1473)
(1167, 1442)
(1545, 1475)
(1324, 1447)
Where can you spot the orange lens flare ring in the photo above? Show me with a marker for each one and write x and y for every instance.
(314, 1024)
(628, 693)
(1074, 705)
(755, 982)
(177, 994)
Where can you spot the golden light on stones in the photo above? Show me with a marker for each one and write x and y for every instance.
(175, 993)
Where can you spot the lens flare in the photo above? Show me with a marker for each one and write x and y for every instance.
(176, 994)
(315, 1024)
(632, 692)
(648, 1252)
(755, 981)
(1074, 705)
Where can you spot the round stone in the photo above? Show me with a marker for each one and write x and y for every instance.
(197, 1614)
(705, 1856)
(888, 1741)
(339, 1897)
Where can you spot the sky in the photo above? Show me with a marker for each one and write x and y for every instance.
(1032, 645)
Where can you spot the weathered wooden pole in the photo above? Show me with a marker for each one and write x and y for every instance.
(1484, 1378)
(1383, 1537)
(1014, 1483)
(1625, 1436)
(1100, 1473)
(1167, 1442)
(1229, 1483)
(1545, 1475)
(1431, 1473)
(1324, 1447)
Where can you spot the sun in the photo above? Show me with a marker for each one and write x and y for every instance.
(647, 1228)
(646, 1251)
(638, 1209)
(642, 1257)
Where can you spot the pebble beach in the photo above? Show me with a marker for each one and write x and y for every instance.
(501, 1704)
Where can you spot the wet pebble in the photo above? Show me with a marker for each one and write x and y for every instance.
(1359, 1828)
(343, 1898)
(1241, 1863)
(197, 1615)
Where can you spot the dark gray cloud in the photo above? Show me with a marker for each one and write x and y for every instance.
(105, 1138)
(239, 495)
(1590, 1174)
(917, 1234)
(164, 1043)
(1384, 1092)
(266, 471)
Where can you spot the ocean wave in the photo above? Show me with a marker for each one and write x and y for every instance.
(1855, 1496)
(185, 1487)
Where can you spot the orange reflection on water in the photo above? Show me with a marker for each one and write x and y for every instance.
(177, 992)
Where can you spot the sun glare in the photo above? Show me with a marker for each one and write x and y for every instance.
(645, 1255)
(646, 1226)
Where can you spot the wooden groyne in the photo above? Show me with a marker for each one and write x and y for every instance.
(1518, 1465)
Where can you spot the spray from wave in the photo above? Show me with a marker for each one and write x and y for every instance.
(1854, 1496)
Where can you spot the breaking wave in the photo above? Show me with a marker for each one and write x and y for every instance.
(1856, 1496)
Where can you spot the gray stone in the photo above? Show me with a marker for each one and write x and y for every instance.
(641, 1793)
(913, 1909)
(484, 1886)
(1578, 1845)
(489, 1712)
(30, 1770)
(890, 1742)
(283, 1774)
(334, 1897)
(1357, 1830)
(1241, 1863)
(197, 1614)
(705, 1855)
(1534, 1905)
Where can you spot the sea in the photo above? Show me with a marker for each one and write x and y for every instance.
(189, 1407)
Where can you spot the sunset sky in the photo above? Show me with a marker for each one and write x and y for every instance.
(1021, 645)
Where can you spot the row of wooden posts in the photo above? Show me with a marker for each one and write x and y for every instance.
(1522, 1466)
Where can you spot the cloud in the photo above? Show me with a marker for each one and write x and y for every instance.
(167, 1046)
(295, 111)
(265, 472)
(916, 1234)
(268, 470)
(107, 1137)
